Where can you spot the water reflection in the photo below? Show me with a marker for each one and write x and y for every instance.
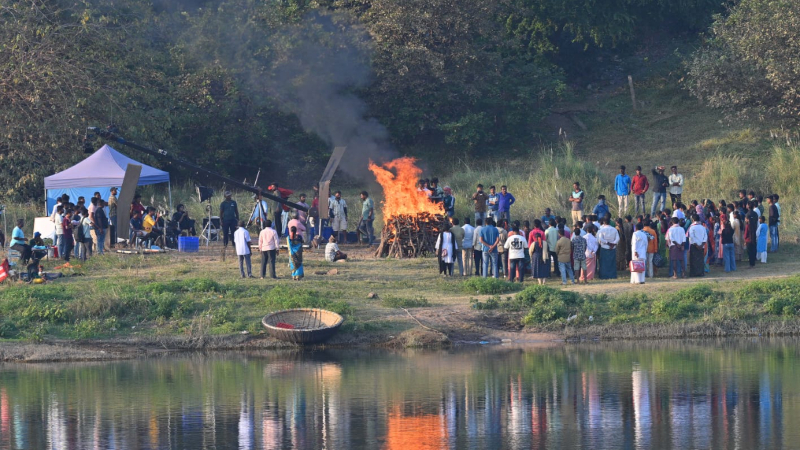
(678, 395)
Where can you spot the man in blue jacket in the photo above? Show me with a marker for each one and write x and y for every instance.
(504, 202)
(622, 185)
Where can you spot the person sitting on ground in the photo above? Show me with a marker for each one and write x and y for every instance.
(19, 243)
(332, 253)
(181, 218)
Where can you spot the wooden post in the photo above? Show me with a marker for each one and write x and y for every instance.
(633, 93)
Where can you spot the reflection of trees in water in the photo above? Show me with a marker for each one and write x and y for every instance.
(595, 396)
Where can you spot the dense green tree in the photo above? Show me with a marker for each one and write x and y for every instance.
(750, 64)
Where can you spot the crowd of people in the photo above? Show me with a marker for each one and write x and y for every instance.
(685, 239)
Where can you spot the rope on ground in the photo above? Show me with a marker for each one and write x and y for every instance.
(420, 323)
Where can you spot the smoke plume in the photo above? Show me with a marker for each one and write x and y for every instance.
(326, 62)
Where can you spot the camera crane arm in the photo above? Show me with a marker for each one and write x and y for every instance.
(110, 135)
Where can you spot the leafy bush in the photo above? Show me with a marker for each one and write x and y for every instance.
(397, 302)
(536, 294)
(782, 305)
(546, 304)
(488, 285)
(490, 303)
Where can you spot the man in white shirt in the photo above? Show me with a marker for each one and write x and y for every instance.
(58, 218)
(676, 237)
(639, 242)
(332, 252)
(608, 238)
(241, 239)
(337, 211)
(698, 242)
(466, 247)
(675, 185)
(516, 246)
(477, 248)
(268, 244)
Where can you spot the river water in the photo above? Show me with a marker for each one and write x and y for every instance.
(682, 395)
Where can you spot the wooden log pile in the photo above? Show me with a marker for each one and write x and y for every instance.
(407, 236)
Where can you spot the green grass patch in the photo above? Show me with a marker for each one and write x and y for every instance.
(478, 285)
(400, 302)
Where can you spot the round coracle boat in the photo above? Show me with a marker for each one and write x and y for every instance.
(302, 325)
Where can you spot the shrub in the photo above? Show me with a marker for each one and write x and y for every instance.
(487, 285)
(546, 304)
(782, 305)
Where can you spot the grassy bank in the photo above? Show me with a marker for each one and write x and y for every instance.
(179, 298)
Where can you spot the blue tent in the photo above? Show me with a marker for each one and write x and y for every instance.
(101, 171)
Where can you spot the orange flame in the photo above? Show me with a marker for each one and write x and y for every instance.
(399, 178)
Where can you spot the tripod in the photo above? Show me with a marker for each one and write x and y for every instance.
(206, 233)
(258, 208)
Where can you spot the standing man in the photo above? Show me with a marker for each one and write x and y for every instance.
(493, 203)
(100, 221)
(490, 239)
(676, 237)
(577, 202)
(280, 209)
(268, 243)
(302, 216)
(241, 239)
(337, 211)
(466, 247)
(477, 248)
(449, 202)
(564, 250)
(661, 183)
(622, 186)
(479, 198)
(639, 242)
(505, 200)
(112, 218)
(675, 185)
(640, 185)
(229, 215)
(608, 238)
(776, 198)
(551, 236)
(367, 217)
(698, 245)
(548, 216)
(774, 219)
(458, 236)
(58, 218)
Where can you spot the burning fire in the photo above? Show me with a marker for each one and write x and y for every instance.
(399, 178)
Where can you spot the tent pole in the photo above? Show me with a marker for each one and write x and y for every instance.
(46, 213)
(169, 188)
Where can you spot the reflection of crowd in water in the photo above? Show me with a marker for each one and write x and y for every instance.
(314, 405)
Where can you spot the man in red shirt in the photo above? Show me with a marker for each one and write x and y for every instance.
(640, 185)
(279, 208)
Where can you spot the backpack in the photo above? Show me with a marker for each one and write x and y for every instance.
(80, 235)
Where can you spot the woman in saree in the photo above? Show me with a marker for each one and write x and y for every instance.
(624, 244)
(295, 244)
(537, 247)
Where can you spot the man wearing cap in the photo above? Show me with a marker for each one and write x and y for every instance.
(229, 215)
(622, 185)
